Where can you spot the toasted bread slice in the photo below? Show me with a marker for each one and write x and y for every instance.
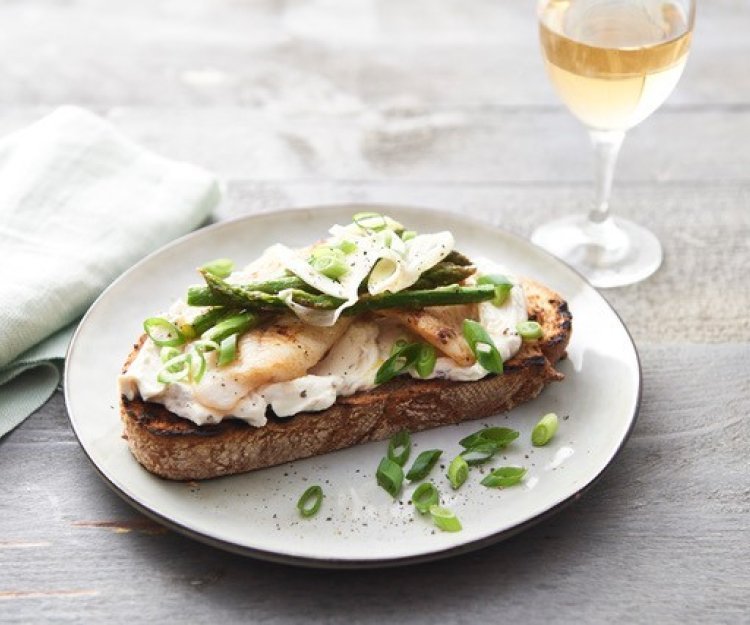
(175, 448)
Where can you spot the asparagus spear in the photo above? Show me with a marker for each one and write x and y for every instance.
(457, 258)
(280, 284)
(241, 296)
(204, 296)
(236, 324)
(210, 318)
(442, 274)
(441, 296)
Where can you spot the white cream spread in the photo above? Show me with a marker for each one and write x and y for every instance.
(348, 367)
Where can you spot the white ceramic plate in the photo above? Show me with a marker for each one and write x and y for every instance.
(359, 525)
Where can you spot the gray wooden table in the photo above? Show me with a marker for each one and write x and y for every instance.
(436, 103)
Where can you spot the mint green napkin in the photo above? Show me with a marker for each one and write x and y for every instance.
(79, 204)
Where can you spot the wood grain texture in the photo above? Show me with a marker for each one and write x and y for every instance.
(418, 143)
(314, 54)
(442, 104)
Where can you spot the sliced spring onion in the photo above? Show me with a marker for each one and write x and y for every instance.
(202, 346)
(175, 370)
(529, 330)
(424, 496)
(544, 430)
(310, 502)
(458, 471)
(399, 362)
(445, 519)
(370, 221)
(399, 447)
(479, 453)
(390, 476)
(329, 261)
(187, 329)
(167, 353)
(162, 332)
(227, 350)
(197, 366)
(347, 246)
(502, 286)
(398, 345)
(500, 437)
(483, 346)
(375, 222)
(504, 477)
(236, 324)
(423, 464)
(408, 235)
(221, 267)
(425, 364)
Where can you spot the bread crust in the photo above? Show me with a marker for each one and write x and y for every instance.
(177, 449)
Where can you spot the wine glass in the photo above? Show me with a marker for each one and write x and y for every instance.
(613, 63)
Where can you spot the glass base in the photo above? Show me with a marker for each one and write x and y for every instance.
(612, 253)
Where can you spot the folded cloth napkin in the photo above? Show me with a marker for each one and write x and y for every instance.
(79, 204)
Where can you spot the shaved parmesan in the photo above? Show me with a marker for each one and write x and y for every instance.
(400, 271)
(313, 316)
(391, 264)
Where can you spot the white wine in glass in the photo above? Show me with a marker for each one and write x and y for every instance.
(613, 63)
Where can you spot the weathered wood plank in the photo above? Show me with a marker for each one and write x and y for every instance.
(662, 538)
(317, 55)
(438, 146)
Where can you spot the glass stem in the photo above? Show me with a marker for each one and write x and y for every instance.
(607, 145)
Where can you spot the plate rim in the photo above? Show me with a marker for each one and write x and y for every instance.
(342, 563)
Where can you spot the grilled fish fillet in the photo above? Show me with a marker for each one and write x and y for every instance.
(441, 327)
(277, 352)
